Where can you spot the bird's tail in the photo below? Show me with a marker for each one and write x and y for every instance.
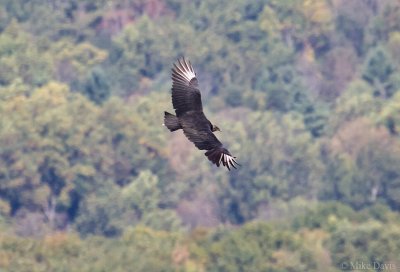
(171, 121)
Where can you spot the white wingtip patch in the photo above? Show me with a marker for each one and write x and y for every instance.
(186, 70)
(227, 160)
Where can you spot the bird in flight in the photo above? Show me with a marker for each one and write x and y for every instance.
(186, 100)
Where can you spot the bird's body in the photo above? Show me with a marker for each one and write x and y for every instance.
(186, 100)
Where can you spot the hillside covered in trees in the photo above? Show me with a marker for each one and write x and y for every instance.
(306, 93)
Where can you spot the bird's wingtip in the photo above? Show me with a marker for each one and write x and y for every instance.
(222, 156)
(183, 69)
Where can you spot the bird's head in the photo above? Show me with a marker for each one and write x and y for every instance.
(215, 128)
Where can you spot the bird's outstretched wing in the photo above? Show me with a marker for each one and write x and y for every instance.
(185, 95)
(206, 140)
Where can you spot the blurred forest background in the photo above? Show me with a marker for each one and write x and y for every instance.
(306, 93)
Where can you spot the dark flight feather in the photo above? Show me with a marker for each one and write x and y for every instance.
(186, 100)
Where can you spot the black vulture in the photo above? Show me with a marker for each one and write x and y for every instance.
(186, 100)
